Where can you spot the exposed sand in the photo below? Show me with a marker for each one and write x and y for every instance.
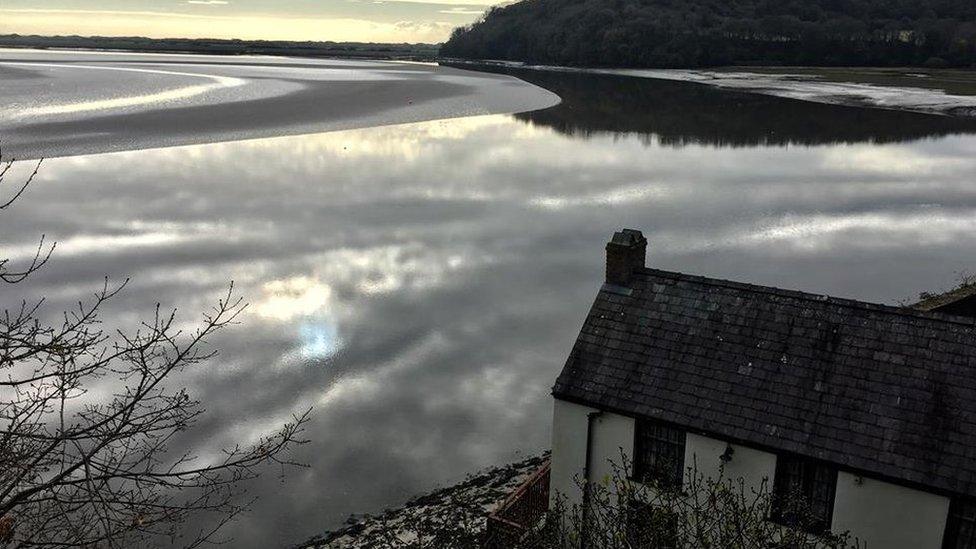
(71, 103)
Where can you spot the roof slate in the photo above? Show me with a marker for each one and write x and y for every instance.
(874, 388)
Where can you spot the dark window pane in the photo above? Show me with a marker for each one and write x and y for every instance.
(803, 494)
(659, 453)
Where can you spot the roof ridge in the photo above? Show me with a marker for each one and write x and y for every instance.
(820, 298)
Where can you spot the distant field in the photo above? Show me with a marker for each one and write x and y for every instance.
(952, 81)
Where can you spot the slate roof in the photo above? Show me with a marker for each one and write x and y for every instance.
(876, 389)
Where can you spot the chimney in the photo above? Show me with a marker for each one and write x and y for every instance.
(626, 253)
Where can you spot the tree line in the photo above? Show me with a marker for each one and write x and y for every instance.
(701, 33)
(214, 46)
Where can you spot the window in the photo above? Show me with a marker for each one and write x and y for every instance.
(803, 494)
(659, 454)
(961, 527)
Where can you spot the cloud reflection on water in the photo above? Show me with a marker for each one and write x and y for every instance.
(420, 285)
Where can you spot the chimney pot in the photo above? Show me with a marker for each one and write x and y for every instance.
(626, 252)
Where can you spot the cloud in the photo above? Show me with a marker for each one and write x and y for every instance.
(208, 2)
(462, 11)
(160, 24)
(295, 297)
(426, 28)
(13, 14)
(469, 3)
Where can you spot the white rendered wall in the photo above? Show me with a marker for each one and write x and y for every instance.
(613, 442)
(568, 451)
(613, 437)
(611, 434)
(884, 515)
(889, 516)
(752, 466)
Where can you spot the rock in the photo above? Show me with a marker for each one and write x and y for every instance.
(467, 502)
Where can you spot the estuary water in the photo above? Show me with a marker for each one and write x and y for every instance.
(420, 285)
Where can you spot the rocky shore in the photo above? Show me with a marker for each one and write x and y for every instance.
(462, 506)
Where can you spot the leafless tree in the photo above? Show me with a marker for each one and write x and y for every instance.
(89, 421)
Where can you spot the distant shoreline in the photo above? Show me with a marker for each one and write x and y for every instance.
(205, 46)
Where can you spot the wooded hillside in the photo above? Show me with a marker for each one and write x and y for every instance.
(699, 33)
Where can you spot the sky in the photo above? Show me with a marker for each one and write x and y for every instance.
(336, 20)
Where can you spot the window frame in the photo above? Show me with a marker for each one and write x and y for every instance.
(809, 469)
(955, 520)
(667, 436)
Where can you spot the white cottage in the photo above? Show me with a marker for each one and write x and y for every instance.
(868, 410)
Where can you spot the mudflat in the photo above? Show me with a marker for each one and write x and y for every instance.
(71, 103)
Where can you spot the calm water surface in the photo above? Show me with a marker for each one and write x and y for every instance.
(420, 285)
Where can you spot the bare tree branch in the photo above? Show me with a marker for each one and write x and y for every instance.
(80, 471)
